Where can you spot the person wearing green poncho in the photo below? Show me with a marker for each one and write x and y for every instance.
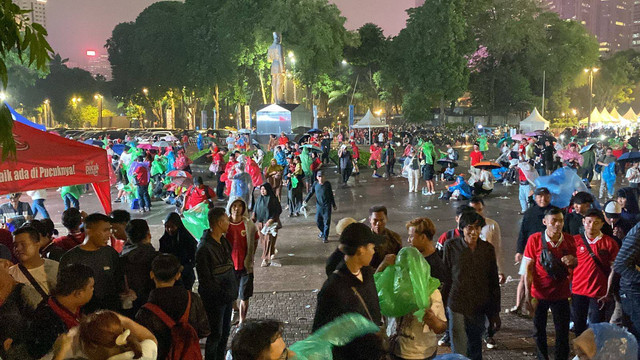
(428, 158)
(71, 196)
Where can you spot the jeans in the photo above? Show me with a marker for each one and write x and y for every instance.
(38, 206)
(560, 310)
(323, 220)
(631, 306)
(523, 196)
(143, 194)
(219, 316)
(466, 334)
(220, 186)
(71, 201)
(346, 174)
(583, 307)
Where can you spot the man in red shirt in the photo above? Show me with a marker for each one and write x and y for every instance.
(476, 155)
(71, 219)
(596, 253)
(283, 140)
(243, 237)
(550, 289)
(197, 193)
(141, 178)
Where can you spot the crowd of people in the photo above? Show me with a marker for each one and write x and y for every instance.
(103, 291)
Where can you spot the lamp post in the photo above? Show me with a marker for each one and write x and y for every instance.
(46, 113)
(99, 98)
(590, 71)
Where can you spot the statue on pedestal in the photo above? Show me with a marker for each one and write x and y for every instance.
(276, 58)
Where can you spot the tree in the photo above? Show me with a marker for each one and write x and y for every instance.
(16, 34)
(434, 46)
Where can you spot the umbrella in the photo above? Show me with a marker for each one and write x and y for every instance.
(162, 144)
(446, 162)
(519, 137)
(312, 147)
(169, 138)
(508, 140)
(586, 148)
(118, 148)
(94, 142)
(630, 156)
(314, 130)
(179, 173)
(304, 138)
(488, 165)
(537, 133)
(244, 131)
(182, 181)
(146, 147)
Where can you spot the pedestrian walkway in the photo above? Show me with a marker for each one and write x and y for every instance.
(296, 309)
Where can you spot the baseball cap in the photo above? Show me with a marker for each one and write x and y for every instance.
(613, 209)
(358, 234)
(319, 173)
(542, 191)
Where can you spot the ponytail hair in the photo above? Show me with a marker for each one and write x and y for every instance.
(103, 330)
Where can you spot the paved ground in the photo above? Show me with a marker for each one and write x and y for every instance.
(288, 292)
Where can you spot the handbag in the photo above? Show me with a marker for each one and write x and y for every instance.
(552, 265)
(599, 264)
(214, 167)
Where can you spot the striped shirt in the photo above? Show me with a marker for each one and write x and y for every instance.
(628, 259)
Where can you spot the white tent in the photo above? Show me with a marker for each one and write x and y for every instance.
(534, 122)
(369, 121)
(630, 116)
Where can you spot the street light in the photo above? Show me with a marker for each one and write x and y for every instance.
(145, 91)
(344, 62)
(574, 111)
(3, 96)
(590, 71)
(99, 98)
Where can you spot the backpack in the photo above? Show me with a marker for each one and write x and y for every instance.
(185, 344)
(456, 155)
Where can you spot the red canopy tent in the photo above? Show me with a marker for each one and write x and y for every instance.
(45, 160)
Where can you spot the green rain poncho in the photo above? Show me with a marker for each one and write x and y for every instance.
(482, 141)
(429, 151)
(195, 219)
(406, 287)
(74, 190)
(159, 165)
(305, 161)
(339, 332)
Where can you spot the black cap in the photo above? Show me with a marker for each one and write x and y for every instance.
(358, 234)
(542, 191)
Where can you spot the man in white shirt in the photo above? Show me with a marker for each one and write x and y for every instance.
(38, 197)
(32, 269)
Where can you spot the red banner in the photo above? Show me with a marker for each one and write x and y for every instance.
(45, 160)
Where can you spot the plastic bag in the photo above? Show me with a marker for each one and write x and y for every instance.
(339, 332)
(609, 176)
(159, 166)
(196, 220)
(562, 184)
(613, 342)
(406, 287)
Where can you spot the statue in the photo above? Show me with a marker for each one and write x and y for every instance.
(276, 58)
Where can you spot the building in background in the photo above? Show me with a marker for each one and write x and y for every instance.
(611, 21)
(98, 64)
(39, 10)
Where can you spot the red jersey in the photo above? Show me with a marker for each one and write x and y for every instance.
(116, 244)
(451, 234)
(237, 236)
(315, 165)
(142, 175)
(356, 151)
(544, 286)
(476, 157)
(195, 196)
(283, 140)
(588, 279)
(70, 241)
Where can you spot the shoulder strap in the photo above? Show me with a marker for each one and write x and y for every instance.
(599, 265)
(543, 238)
(366, 308)
(33, 282)
(157, 311)
(185, 317)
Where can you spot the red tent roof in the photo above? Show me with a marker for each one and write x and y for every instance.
(45, 160)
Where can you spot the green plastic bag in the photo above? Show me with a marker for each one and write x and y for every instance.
(294, 182)
(339, 332)
(406, 287)
(196, 220)
(159, 165)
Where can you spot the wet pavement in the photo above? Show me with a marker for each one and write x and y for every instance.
(288, 292)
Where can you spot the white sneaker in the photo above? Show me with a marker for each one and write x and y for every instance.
(265, 263)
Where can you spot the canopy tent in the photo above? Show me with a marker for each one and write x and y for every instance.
(630, 116)
(595, 118)
(46, 160)
(615, 114)
(19, 118)
(606, 118)
(369, 121)
(534, 122)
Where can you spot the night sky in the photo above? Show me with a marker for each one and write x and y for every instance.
(77, 25)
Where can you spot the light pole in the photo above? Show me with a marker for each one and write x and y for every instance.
(99, 98)
(590, 72)
(46, 113)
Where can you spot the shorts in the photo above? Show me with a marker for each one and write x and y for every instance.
(523, 266)
(428, 172)
(245, 284)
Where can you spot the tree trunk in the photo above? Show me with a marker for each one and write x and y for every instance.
(264, 94)
(216, 103)
(441, 122)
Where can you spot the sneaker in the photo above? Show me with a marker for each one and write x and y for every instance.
(490, 343)
(325, 241)
(117, 200)
(265, 263)
(320, 236)
(445, 340)
(275, 264)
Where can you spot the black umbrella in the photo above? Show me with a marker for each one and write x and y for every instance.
(304, 138)
(630, 156)
(445, 162)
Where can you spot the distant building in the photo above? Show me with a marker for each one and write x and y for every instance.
(98, 64)
(39, 10)
(611, 21)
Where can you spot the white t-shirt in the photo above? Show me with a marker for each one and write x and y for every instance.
(633, 175)
(38, 194)
(417, 340)
(381, 137)
(39, 274)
